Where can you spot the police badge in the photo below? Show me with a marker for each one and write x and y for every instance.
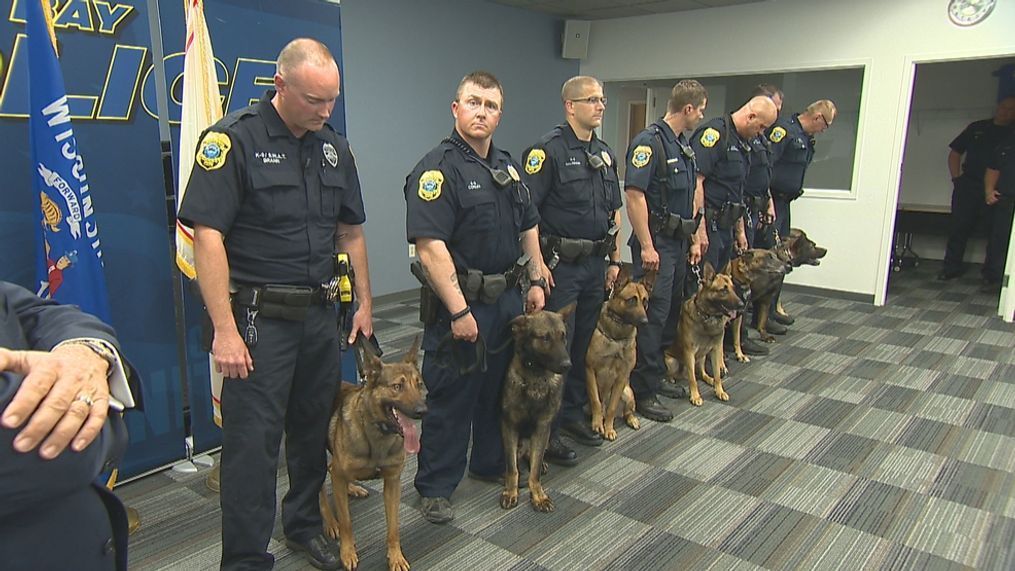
(606, 158)
(535, 161)
(430, 184)
(213, 151)
(330, 154)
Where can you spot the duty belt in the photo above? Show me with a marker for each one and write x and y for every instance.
(279, 294)
(487, 288)
(673, 226)
(574, 249)
(726, 216)
(756, 203)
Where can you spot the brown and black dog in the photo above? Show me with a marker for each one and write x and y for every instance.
(761, 273)
(368, 436)
(531, 397)
(798, 250)
(611, 353)
(703, 319)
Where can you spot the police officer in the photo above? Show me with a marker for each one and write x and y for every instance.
(977, 143)
(999, 188)
(724, 159)
(471, 218)
(273, 188)
(573, 178)
(792, 142)
(663, 208)
(760, 210)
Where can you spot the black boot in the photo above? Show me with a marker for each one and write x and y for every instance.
(559, 453)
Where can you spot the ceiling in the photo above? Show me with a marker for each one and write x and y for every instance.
(604, 9)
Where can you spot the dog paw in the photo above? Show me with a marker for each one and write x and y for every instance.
(542, 504)
(724, 371)
(397, 562)
(633, 422)
(722, 395)
(508, 499)
(598, 427)
(766, 338)
(357, 491)
(696, 400)
(610, 435)
(349, 558)
(743, 358)
(331, 530)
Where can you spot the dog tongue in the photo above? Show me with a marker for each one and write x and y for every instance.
(411, 436)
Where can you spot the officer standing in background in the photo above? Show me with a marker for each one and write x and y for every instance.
(664, 210)
(792, 142)
(999, 189)
(274, 191)
(471, 218)
(724, 159)
(977, 143)
(760, 210)
(572, 174)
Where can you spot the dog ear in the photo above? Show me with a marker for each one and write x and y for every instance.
(623, 278)
(727, 269)
(413, 355)
(649, 279)
(518, 324)
(567, 310)
(708, 272)
(371, 363)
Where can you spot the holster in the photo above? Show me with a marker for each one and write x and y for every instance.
(487, 288)
(728, 215)
(574, 249)
(756, 204)
(429, 303)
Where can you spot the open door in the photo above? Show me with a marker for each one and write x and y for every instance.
(1006, 307)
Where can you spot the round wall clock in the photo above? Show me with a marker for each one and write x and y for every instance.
(969, 12)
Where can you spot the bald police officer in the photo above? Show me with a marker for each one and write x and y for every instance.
(273, 192)
(471, 218)
(664, 209)
(573, 178)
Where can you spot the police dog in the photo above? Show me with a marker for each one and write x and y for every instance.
(798, 250)
(531, 398)
(368, 436)
(761, 273)
(703, 319)
(611, 354)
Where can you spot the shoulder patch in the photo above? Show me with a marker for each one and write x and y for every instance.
(534, 162)
(777, 135)
(709, 138)
(214, 148)
(430, 184)
(641, 155)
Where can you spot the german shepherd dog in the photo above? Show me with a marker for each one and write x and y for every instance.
(703, 318)
(761, 272)
(611, 354)
(532, 392)
(368, 436)
(798, 250)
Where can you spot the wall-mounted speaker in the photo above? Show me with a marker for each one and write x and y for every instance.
(576, 39)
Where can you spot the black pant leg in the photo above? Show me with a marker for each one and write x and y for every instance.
(782, 216)
(967, 211)
(997, 242)
(649, 367)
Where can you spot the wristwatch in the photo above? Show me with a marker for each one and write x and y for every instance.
(99, 348)
(541, 282)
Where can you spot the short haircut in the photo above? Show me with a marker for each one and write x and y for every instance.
(768, 90)
(303, 51)
(573, 87)
(686, 92)
(823, 107)
(483, 79)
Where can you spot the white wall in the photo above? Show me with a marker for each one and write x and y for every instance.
(887, 37)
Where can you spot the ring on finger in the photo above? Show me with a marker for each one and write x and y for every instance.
(87, 399)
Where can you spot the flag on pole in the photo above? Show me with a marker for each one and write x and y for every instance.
(70, 254)
(202, 106)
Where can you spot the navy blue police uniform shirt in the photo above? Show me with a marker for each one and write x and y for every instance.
(643, 158)
(276, 198)
(792, 152)
(451, 196)
(978, 141)
(1003, 161)
(760, 175)
(574, 199)
(723, 158)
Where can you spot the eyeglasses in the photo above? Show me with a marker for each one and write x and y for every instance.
(823, 120)
(474, 104)
(590, 100)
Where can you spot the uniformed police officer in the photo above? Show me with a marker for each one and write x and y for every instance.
(760, 210)
(273, 188)
(977, 143)
(573, 178)
(471, 218)
(663, 207)
(792, 142)
(999, 189)
(724, 156)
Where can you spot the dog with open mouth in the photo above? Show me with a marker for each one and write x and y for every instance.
(370, 432)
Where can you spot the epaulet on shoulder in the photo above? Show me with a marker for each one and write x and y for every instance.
(235, 117)
(554, 133)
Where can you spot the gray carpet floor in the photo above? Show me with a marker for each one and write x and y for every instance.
(870, 438)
